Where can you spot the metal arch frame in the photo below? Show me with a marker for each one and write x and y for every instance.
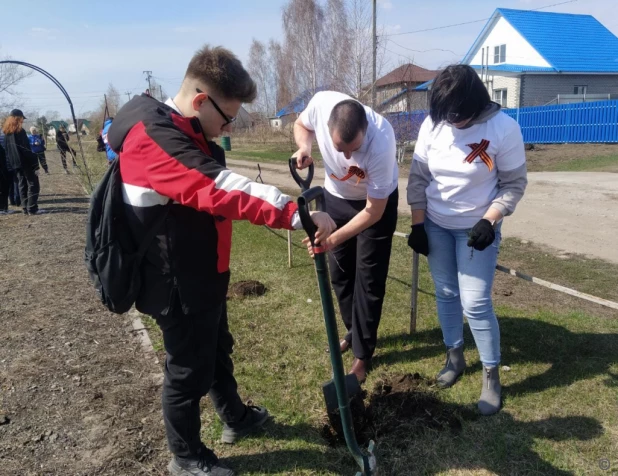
(68, 98)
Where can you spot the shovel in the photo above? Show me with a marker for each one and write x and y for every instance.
(337, 392)
(328, 388)
(303, 183)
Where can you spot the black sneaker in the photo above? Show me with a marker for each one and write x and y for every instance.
(252, 422)
(205, 464)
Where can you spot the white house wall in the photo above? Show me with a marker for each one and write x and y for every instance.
(512, 86)
(518, 50)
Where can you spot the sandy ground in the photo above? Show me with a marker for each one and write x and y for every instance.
(573, 212)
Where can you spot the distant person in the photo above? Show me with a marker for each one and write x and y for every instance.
(37, 144)
(111, 155)
(5, 182)
(468, 172)
(22, 161)
(62, 142)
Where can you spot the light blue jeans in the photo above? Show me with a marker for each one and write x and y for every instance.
(463, 278)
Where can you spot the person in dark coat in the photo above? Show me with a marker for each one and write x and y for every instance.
(62, 142)
(22, 161)
(5, 181)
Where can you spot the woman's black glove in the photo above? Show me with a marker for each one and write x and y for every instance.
(418, 239)
(482, 235)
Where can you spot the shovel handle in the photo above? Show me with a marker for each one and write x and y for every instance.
(303, 183)
(313, 194)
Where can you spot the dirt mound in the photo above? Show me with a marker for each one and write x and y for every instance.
(243, 289)
(400, 405)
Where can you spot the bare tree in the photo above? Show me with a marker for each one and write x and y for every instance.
(285, 83)
(262, 70)
(10, 76)
(336, 46)
(303, 24)
(360, 24)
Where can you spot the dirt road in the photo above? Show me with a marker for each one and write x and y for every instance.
(77, 394)
(572, 212)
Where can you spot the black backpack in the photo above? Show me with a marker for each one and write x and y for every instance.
(112, 257)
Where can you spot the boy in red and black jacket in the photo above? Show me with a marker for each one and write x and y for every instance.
(166, 153)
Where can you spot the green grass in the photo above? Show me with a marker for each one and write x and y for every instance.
(269, 153)
(592, 164)
(560, 414)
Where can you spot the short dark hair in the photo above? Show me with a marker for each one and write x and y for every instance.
(220, 70)
(457, 92)
(349, 118)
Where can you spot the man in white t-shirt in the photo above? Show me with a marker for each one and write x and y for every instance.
(358, 153)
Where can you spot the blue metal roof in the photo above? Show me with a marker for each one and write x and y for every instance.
(299, 104)
(516, 68)
(568, 42)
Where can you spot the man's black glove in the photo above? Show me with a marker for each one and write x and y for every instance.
(418, 239)
(482, 235)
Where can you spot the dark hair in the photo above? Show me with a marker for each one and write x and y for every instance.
(457, 94)
(349, 118)
(220, 70)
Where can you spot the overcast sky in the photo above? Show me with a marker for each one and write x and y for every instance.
(87, 45)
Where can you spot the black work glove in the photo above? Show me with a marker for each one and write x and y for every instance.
(482, 235)
(417, 240)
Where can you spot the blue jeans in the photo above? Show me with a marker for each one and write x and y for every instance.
(463, 278)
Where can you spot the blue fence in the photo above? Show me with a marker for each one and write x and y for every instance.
(561, 123)
(568, 123)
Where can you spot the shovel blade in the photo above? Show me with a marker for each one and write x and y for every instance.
(330, 392)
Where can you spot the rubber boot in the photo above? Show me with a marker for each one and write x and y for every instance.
(490, 400)
(453, 368)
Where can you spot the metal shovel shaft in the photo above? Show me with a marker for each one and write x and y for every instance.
(337, 363)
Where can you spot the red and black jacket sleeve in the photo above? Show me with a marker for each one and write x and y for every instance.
(172, 158)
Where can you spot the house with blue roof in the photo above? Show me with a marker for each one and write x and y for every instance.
(530, 58)
(291, 111)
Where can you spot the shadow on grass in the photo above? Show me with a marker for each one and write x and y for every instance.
(572, 356)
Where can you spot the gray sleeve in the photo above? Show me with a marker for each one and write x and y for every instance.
(511, 186)
(418, 181)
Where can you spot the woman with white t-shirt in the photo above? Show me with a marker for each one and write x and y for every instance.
(468, 172)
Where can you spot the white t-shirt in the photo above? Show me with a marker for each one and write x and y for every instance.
(372, 170)
(460, 190)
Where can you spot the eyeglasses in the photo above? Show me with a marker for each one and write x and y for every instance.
(228, 119)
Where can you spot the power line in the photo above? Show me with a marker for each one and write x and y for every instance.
(473, 21)
(424, 51)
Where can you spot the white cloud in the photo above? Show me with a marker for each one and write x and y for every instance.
(385, 4)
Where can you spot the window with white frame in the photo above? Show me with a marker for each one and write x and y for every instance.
(500, 54)
(581, 89)
(500, 96)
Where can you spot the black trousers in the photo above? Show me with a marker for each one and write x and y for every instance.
(198, 362)
(28, 189)
(14, 197)
(358, 271)
(42, 161)
(63, 156)
(5, 187)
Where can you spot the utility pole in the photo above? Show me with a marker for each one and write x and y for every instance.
(128, 93)
(375, 55)
(148, 76)
(161, 92)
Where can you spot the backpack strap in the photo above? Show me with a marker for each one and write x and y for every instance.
(151, 233)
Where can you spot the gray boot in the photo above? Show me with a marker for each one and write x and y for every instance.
(453, 368)
(490, 400)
